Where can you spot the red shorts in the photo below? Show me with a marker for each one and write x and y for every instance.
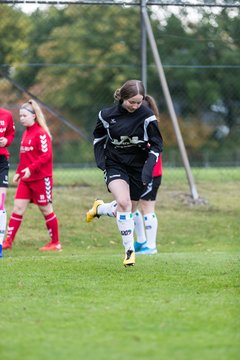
(157, 170)
(39, 192)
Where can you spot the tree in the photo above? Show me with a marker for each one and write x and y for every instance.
(213, 43)
(78, 55)
(14, 27)
(88, 59)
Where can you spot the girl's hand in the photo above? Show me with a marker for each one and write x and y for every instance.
(16, 178)
(3, 142)
(26, 173)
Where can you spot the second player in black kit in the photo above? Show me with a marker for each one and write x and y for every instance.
(127, 144)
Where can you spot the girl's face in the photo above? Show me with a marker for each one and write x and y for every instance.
(133, 103)
(27, 119)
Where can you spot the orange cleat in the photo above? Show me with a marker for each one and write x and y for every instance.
(7, 244)
(51, 246)
(92, 213)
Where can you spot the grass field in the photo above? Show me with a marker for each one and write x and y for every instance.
(182, 303)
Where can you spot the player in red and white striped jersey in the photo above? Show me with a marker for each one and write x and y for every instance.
(34, 175)
(7, 133)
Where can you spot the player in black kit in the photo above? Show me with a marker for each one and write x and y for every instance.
(127, 144)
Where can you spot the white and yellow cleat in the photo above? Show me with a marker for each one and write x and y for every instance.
(92, 213)
(129, 259)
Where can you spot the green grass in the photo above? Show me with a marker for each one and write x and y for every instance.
(182, 303)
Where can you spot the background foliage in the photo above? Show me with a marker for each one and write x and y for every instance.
(73, 58)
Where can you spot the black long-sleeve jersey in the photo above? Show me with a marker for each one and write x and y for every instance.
(126, 138)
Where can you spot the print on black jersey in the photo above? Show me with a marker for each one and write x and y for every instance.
(125, 135)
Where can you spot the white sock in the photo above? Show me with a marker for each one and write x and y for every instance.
(139, 227)
(107, 209)
(151, 225)
(3, 224)
(126, 227)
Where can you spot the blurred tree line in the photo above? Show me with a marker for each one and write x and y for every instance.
(74, 57)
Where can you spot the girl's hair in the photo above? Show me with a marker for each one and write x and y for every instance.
(151, 103)
(34, 108)
(130, 89)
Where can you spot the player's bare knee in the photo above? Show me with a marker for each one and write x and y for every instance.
(46, 210)
(19, 209)
(124, 205)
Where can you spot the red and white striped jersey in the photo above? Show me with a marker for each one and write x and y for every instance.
(36, 153)
(7, 129)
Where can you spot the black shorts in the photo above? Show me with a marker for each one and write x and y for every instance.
(132, 175)
(4, 169)
(150, 191)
